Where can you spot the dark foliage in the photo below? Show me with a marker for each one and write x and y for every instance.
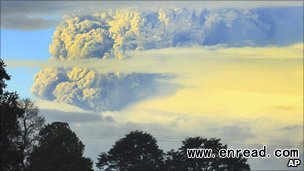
(3, 76)
(59, 149)
(136, 151)
(10, 130)
(31, 122)
(179, 161)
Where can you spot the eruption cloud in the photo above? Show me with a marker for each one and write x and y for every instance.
(114, 33)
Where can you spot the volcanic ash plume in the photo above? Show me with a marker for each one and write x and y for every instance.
(113, 34)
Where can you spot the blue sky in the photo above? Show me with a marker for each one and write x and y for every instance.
(24, 45)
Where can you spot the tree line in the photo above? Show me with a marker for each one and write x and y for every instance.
(29, 144)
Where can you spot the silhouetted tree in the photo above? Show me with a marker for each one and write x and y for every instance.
(179, 161)
(136, 151)
(3, 76)
(59, 149)
(30, 124)
(10, 130)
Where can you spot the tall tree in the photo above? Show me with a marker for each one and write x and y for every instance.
(59, 149)
(3, 76)
(10, 157)
(30, 124)
(179, 161)
(136, 151)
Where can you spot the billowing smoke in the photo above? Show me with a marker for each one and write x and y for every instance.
(112, 34)
(89, 90)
